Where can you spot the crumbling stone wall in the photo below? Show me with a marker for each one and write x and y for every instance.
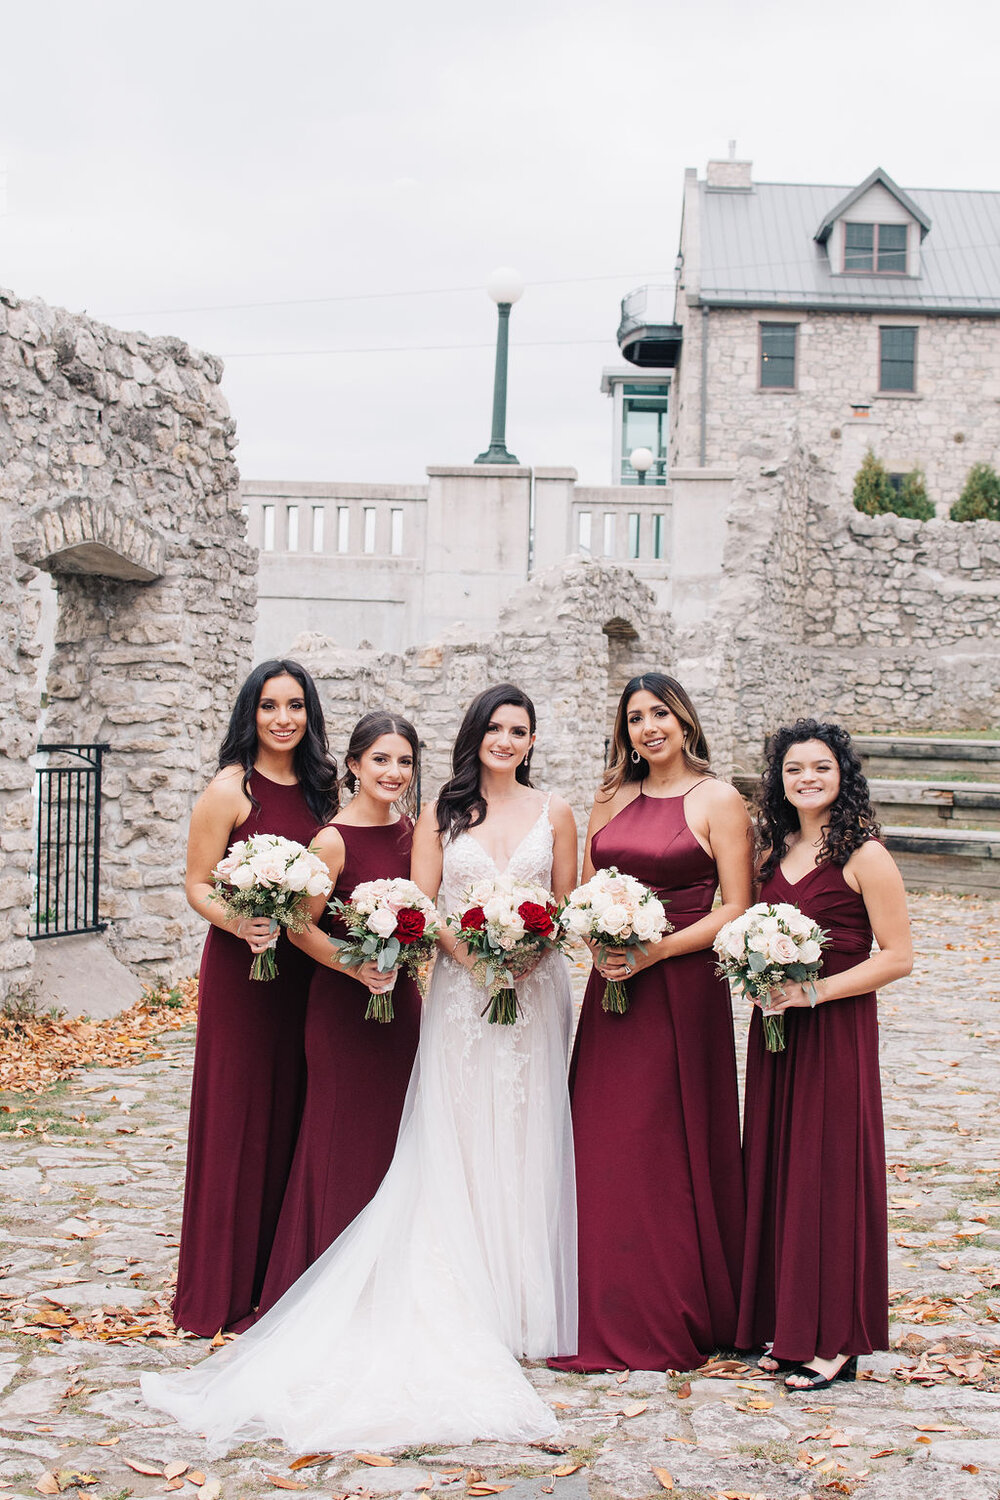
(117, 477)
(881, 622)
(571, 638)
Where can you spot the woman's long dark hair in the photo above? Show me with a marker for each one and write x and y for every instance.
(368, 729)
(461, 804)
(621, 766)
(315, 767)
(852, 820)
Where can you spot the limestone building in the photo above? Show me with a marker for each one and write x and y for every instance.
(836, 317)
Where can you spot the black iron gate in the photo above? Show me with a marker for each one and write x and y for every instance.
(68, 844)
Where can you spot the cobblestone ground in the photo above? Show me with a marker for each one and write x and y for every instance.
(89, 1224)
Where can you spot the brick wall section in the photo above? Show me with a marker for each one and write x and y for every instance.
(118, 446)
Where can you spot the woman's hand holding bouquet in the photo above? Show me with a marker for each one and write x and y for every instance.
(391, 924)
(610, 911)
(763, 950)
(274, 878)
(506, 925)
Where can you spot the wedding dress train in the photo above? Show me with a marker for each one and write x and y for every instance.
(407, 1329)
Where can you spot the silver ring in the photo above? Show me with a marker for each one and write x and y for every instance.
(628, 967)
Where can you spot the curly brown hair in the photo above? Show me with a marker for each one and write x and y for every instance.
(852, 820)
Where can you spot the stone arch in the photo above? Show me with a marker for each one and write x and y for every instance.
(98, 536)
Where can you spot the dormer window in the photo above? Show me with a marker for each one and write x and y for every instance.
(875, 247)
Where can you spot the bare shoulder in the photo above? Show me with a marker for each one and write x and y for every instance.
(871, 862)
(560, 813)
(426, 824)
(225, 791)
(718, 796)
(615, 801)
(328, 840)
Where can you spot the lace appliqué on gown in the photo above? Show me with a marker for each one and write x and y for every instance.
(406, 1330)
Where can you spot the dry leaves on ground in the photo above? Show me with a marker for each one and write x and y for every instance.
(938, 1365)
(37, 1051)
(49, 1320)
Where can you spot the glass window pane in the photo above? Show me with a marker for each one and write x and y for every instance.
(633, 534)
(892, 247)
(343, 527)
(268, 528)
(609, 533)
(659, 534)
(369, 542)
(644, 425)
(899, 359)
(859, 247)
(292, 528)
(317, 536)
(396, 531)
(583, 530)
(777, 355)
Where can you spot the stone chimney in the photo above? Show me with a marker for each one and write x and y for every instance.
(729, 174)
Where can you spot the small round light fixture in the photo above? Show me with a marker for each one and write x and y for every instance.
(641, 460)
(505, 286)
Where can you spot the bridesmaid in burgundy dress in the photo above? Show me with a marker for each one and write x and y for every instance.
(655, 1108)
(357, 1070)
(276, 776)
(815, 1278)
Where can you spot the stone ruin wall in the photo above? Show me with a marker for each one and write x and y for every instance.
(883, 623)
(117, 477)
(571, 638)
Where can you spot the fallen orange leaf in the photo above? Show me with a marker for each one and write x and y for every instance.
(376, 1460)
(281, 1483)
(635, 1408)
(143, 1468)
(175, 1469)
(666, 1479)
(196, 1477)
(48, 1484)
(310, 1460)
(684, 1391)
(565, 1469)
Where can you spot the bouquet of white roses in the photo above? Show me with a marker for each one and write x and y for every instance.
(268, 876)
(760, 951)
(506, 923)
(615, 911)
(391, 923)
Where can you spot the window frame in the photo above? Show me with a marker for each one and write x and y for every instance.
(875, 269)
(769, 323)
(897, 390)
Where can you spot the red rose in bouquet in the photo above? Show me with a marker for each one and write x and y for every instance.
(475, 918)
(536, 918)
(410, 925)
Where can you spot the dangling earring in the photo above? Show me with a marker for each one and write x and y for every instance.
(636, 758)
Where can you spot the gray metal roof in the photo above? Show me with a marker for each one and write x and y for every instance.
(758, 249)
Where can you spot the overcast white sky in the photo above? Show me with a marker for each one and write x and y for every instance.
(165, 162)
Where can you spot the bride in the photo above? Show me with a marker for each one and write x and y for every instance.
(407, 1329)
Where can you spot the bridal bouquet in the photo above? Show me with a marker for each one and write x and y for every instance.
(268, 876)
(615, 911)
(505, 923)
(390, 922)
(760, 951)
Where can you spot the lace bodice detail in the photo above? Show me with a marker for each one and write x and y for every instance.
(465, 860)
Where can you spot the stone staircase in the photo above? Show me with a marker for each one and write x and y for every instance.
(938, 801)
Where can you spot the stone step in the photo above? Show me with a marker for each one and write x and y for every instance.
(945, 859)
(957, 804)
(937, 756)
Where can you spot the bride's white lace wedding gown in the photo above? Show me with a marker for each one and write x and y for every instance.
(406, 1329)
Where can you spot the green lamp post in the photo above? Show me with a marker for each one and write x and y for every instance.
(505, 287)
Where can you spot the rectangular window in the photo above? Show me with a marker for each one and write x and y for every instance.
(777, 356)
(267, 528)
(317, 533)
(875, 247)
(659, 535)
(898, 359)
(892, 248)
(396, 531)
(292, 528)
(609, 533)
(583, 530)
(369, 542)
(633, 534)
(859, 247)
(343, 528)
